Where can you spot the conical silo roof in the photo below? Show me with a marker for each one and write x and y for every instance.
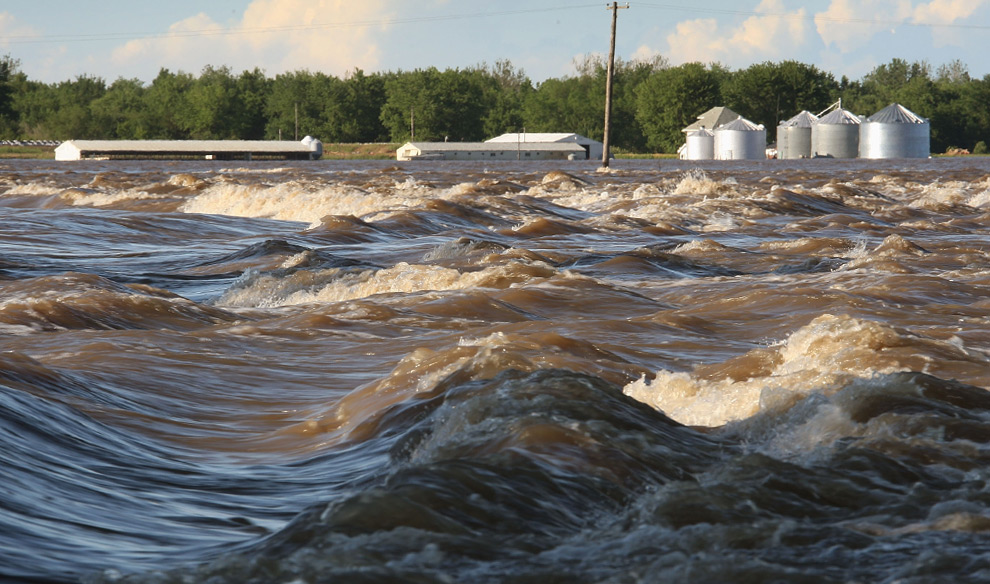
(896, 113)
(701, 132)
(740, 124)
(804, 119)
(839, 116)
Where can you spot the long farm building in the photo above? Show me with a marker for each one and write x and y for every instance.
(489, 151)
(306, 149)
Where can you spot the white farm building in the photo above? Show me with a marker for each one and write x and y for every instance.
(487, 151)
(593, 148)
(306, 149)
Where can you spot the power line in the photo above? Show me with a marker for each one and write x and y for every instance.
(210, 32)
(108, 36)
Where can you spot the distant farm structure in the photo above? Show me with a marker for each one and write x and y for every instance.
(542, 146)
(893, 132)
(306, 149)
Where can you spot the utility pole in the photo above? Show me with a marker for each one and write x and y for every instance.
(606, 149)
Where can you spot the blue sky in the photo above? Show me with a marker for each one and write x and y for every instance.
(57, 40)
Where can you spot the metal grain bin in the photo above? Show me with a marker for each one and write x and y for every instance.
(701, 145)
(895, 132)
(794, 136)
(740, 140)
(836, 135)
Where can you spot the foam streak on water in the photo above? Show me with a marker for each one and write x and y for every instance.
(361, 372)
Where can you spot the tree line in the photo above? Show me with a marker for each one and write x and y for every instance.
(652, 102)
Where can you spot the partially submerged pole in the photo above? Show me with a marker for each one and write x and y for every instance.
(606, 149)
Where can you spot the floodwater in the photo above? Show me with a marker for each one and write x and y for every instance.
(315, 372)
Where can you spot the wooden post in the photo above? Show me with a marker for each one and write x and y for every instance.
(606, 148)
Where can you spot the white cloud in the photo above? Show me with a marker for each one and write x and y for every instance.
(772, 34)
(645, 53)
(851, 24)
(946, 11)
(332, 36)
(942, 12)
(12, 30)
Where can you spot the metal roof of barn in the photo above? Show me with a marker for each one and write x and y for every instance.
(490, 146)
(528, 137)
(712, 119)
(78, 149)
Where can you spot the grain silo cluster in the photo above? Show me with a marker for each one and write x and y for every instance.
(721, 134)
(893, 132)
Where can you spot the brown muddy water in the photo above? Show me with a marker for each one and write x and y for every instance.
(342, 371)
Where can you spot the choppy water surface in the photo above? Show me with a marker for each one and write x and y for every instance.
(362, 372)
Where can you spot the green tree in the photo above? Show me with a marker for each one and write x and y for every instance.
(296, 101)
(971, 111)
(769, 93)
(444, 105)
(909, 84)
(122, 110)
(577, 103)
(8, 81)
(212, 109)
(62, 110)
(250, 94)
(672, 99)
(165, 99)
(348, 110)
(364, 97)
(955, 72)
(33, 104)
(510, 88)
(629, 76)
(949, 118)
(573, 104)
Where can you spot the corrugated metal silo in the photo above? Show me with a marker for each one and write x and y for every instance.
(740, 140)
(895, 132)
(836, 135)
(794, 136)
(701, 145)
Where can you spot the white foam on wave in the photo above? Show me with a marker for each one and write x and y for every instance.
(291, 201)
(824, 356)
(335, 285)
(720, 222)
(33, 188)
(980, 199)
(284, 201)
(693, 189)
(937, 196)
(697, 182)
(94, 198)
